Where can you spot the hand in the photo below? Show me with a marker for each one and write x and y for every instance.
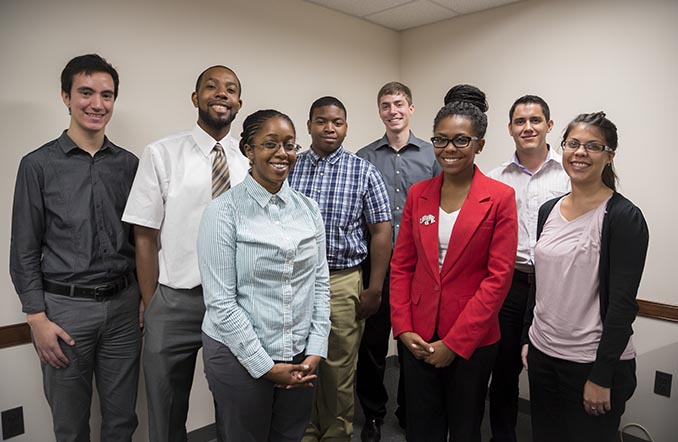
(416, 345)
(370, 300)
(596, 399)
(46, 336)
(287, 376)
(523, 355)
(441, 356)
(142, 309)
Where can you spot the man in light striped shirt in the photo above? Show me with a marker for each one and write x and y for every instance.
(536, 173)
(353, 201)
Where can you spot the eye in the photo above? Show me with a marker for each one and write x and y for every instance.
(339, 123)
(535, 120)
(107, 96)
(461, 140)
(232, 90)
(573, 144)
(519, 121)
(289, 146)
(595, 147)
(270, 145)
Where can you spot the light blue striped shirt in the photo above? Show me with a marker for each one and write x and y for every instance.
(264, 273)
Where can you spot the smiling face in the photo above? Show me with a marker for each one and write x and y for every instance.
(270, 167)
(581, 166)
(455, 162)
(327, 128)
(90, 102)
(218, 101)
(395, 112)
(529, 128)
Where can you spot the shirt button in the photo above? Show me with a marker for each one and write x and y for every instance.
(398, 172)
(397, 190)
(397, 226)
(397, 208)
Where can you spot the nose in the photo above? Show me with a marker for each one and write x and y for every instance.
(96, 101)
(329, 127)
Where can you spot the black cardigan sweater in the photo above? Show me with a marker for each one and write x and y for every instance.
(623, 248)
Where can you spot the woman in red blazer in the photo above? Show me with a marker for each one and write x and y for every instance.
(451, 270)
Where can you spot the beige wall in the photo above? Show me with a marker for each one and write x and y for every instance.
(620, 56)
(287, 53)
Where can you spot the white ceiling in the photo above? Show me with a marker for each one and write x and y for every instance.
(405, 14)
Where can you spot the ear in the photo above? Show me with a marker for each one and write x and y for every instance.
(66, 99)
(249, 152)
(194, 99)
(509, 129)
(481, 144)
(411, 108)
(549, 126)
(611, 156)
(308, 126)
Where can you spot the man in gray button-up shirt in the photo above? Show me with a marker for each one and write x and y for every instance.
(403, 160)
(72, 260)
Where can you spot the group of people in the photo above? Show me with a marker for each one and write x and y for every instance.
(289, 269)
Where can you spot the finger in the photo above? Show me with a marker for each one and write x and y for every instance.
(607, 406)
(65, 337)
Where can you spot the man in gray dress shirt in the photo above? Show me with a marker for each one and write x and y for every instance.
(72, 260)
(403, 160)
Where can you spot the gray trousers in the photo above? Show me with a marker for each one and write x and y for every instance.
(107, 345)
(249, 409)
(172, 338)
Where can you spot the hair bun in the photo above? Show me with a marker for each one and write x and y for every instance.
(469, 94)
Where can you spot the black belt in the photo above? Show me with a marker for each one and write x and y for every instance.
(97, 292)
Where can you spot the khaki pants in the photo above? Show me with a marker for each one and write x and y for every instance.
(332, 417)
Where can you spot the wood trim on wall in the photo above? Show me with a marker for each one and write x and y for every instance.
(19, 334)
(656, 310)
(15, 334)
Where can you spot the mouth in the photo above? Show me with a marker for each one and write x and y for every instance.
(93, 115)
(280, 166)
(579, 164)
(220, 107)
(451, 160)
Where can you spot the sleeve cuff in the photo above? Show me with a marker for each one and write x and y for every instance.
(257, 364)
(32, 301)
(317, 346)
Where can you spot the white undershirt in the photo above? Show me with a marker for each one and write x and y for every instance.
(445, 225)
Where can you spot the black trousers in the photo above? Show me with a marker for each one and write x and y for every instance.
(557, 395)
(507, 367)
(447, 402)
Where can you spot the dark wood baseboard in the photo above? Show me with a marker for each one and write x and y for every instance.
(15, 334)
(656, 310)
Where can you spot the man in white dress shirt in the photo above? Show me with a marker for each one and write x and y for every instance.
(177, 177)
(536, 173)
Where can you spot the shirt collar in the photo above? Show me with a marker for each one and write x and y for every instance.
(205, 141)
(551, 157)
(68, 145)
(263, 196)
(331, 158)
(411, 141)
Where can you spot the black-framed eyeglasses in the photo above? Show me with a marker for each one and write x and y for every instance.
(591, 146)
(272, 145)
(460, 141)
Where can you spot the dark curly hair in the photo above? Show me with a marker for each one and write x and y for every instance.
(467, 101)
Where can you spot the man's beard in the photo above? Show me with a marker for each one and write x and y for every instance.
(206, 118)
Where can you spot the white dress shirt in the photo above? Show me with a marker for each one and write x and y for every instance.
(170, 192)
(532, 190)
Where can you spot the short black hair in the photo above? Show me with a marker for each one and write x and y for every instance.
(202, 74)
(531, 99)
(326, 101)
(87, 64)
(467, 101)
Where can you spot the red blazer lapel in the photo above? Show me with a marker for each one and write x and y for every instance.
(427, 219)
(474, 210)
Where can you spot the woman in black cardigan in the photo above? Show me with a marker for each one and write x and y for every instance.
(589, 260)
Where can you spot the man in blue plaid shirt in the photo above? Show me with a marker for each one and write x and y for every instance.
(355, 207)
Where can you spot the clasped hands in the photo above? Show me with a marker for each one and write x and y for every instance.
(287, 376)
(435, 353)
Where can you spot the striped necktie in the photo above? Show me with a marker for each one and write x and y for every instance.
(221, 178)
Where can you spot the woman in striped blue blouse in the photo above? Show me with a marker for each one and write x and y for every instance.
(261, 248)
